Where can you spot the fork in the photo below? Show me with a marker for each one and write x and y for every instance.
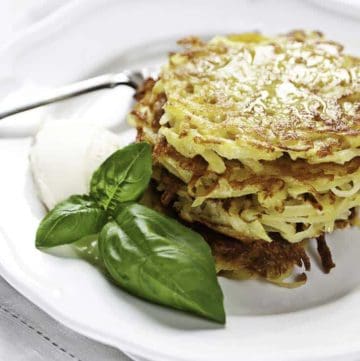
(131, 78)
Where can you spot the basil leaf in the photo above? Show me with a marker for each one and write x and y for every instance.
(87, 249)
(69, 221)
(123, 176)
(157, 258)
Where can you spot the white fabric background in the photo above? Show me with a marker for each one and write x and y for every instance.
(27, 333)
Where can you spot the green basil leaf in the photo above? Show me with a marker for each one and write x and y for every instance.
(123, 177)
(154, 257)
(69, 221)
(88, 250)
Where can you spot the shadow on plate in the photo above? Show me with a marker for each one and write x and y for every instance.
(255, 298)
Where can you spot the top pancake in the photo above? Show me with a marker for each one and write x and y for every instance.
(251, 97)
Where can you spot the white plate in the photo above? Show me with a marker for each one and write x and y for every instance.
(319, 321)
(347, 7)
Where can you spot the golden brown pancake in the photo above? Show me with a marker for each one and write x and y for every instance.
(258, 139)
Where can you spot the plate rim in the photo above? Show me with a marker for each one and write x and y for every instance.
(133, 348)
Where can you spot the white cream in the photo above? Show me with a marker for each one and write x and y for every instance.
(64, 156)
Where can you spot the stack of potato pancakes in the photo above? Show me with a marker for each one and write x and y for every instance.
(256, 144)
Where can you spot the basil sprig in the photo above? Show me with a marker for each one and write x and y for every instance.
(148, 254)
(81, 216)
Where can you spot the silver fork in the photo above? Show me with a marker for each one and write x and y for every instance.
(131, 78)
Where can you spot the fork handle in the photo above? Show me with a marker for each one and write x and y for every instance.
(71, 90)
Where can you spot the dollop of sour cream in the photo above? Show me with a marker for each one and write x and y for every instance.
(65, 155)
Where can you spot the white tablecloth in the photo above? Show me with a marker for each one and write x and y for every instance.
(27, 333)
